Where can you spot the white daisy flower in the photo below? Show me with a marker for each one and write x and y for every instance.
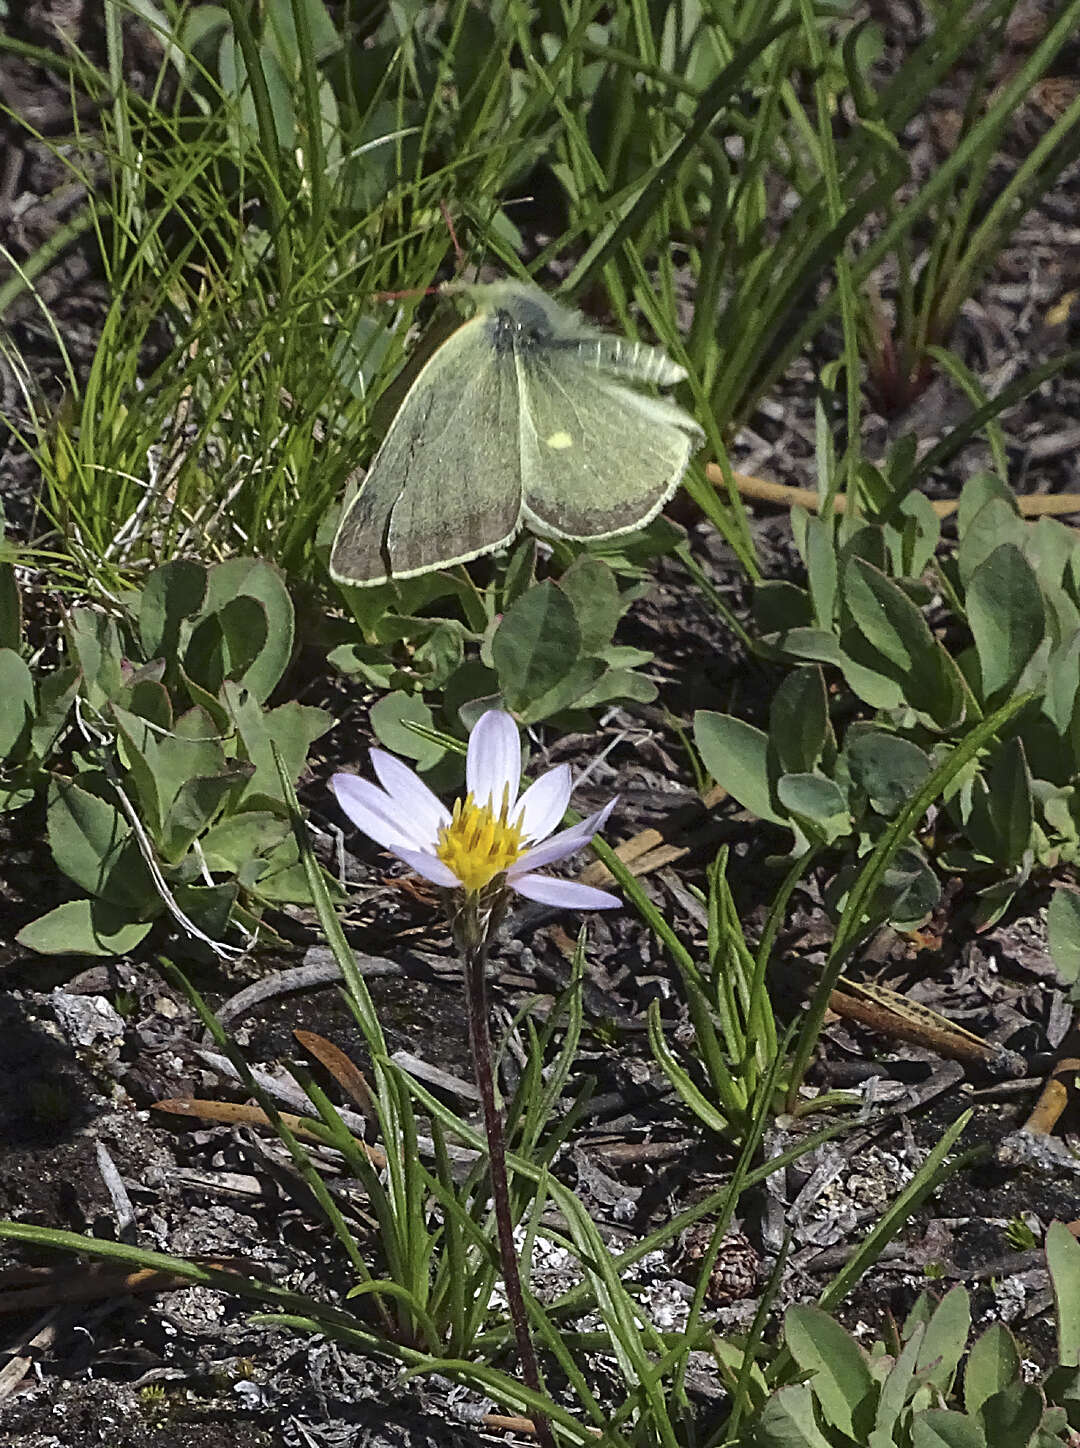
(491, 832)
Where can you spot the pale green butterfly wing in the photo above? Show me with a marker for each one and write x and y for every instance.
(598, 457)
(445, 486)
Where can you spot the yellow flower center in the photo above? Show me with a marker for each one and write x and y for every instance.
(479, 844)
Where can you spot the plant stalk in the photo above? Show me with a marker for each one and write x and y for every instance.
(475, 962)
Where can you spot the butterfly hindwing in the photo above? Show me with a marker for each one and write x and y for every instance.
(445, 484)
(598, 456)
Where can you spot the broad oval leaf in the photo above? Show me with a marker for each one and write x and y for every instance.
(84, 927)
(1063, 1261)
(799, 721)
(993, 1364)
(842, 1381)
(1063, 933)
(737, 756)
(1007, 617)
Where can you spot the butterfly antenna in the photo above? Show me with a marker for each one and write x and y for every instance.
(461, 258)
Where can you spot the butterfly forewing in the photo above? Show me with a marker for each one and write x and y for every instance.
(444, 486)
(598, 457)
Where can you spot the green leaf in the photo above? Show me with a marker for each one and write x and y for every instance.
(897, 1387)
(979, 490)
(909, 888)
(1002, 817)
(1063, 933)
(779, 606)
(590, 586)
(10, 609)
(817, 801)
(257, 579)
(1062, 682)
(137, 747)
(842, 1381)
(1063, 1262)
(172, 594)
(208, 906)
(84, 927)
(799, 721)
(195, 805)
(993, 1365)
(16, 704)
(995, 523)
(227, 644)
(737, 756)
(946, 1337)
(389, 717)
(94, 640)
(941, 1428)
(56, 695)
(89, 839)
(617, 684)
(576, 684)
(887, 633)
(292, 727)
(1007, 618)
(819, 550)
(1010, 1417)
(535, 644)
(885, 616)
(787, 1421)
(251, 834)
(888, 769)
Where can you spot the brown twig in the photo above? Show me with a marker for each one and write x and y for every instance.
(783, 495)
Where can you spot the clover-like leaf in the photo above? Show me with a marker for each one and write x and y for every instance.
(535, 644)
(255, 578)
(590, 586)
(887, 768)
(172, 594)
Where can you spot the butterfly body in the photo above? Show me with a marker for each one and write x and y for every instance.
(525, 416)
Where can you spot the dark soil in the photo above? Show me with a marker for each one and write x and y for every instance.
(89, 1048)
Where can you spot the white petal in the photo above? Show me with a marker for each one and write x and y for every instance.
(551, 891)
(564, 844)
(427, 865)
(543, 804)
(374, 812)
(493, 763)
(409, 792)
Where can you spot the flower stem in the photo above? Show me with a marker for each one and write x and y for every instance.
(475, 958)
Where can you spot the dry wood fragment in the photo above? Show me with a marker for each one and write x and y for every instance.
(234, 1113)
(1054, 1096)
(345, 1072)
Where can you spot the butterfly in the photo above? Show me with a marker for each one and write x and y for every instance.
(525, 416)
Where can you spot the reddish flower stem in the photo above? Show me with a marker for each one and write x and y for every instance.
(475, 957)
